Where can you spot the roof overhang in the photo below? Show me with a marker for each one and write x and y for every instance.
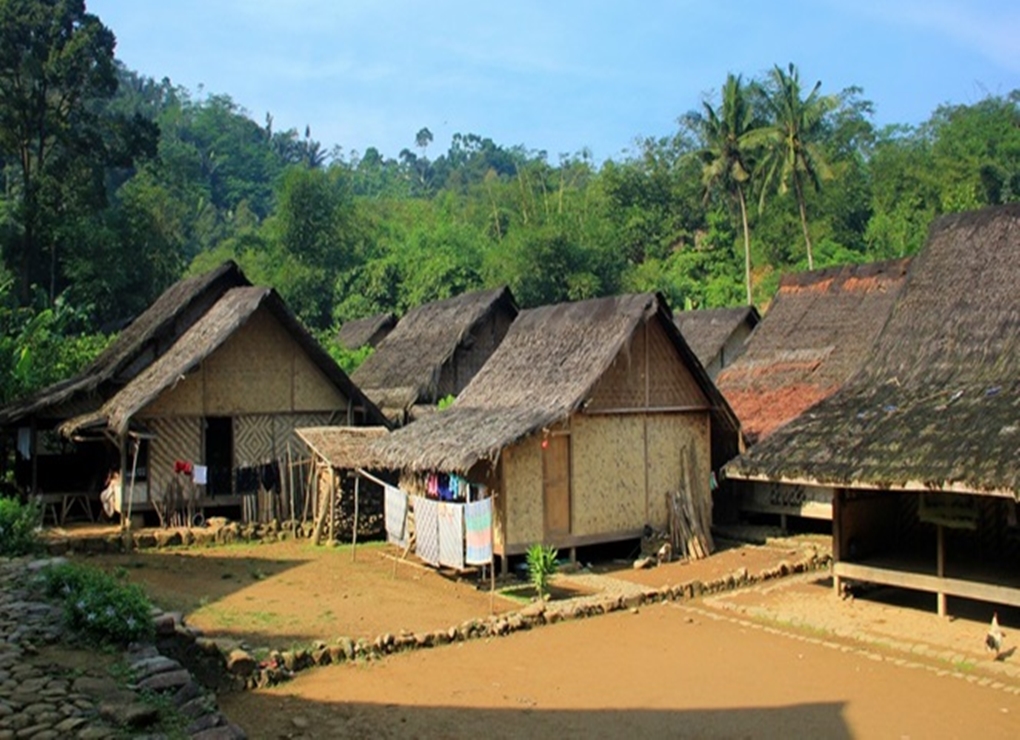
(906, 487)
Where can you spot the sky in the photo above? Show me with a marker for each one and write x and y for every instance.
(559, 76)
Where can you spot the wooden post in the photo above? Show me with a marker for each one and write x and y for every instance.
(492, 561)
(332, 505)
(837, 513)
(354, 533)
(940, 566)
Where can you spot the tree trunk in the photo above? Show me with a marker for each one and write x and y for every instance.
(747, 246)
(803, 221)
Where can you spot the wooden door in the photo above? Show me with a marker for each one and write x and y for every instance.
(556, 484)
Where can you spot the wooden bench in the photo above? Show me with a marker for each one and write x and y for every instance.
(58, 506)
(989, 592)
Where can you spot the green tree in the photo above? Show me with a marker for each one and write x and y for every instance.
(794, 154)
(55, 59)
(730, 135)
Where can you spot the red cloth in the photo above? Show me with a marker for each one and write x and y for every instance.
(182, 466)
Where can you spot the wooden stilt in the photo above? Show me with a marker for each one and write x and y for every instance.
(354, 533)
(940, 567)
(332, 505)
(837, 513)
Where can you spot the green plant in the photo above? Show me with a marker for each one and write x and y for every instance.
(18, 524)
(98, 606)
(446, 402)
(541, 565)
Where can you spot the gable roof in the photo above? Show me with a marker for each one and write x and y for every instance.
(545, 369)
(370, 330)
(145, 339)
(406, 366)
(707, 330)
(204, 337)
(936, 405)
(814, 336)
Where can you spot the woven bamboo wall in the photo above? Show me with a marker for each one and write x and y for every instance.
(262, 438)
(178, 438)
(670, 383)
(608, 484)
(668, 436)
(261, 369)
(523, 503)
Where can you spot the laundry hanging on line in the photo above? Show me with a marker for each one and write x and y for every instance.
(478, 527)
(451, 535)
(395, 505)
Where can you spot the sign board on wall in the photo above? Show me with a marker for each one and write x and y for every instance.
(812, 502)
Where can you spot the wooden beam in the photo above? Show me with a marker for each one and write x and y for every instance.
(940, 566)
(647, 410)
(932, 584)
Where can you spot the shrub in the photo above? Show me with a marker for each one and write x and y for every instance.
(98, 606)
(18, 524)
(541, 565)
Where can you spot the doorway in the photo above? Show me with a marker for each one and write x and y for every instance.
(219, 454)
(556, 484)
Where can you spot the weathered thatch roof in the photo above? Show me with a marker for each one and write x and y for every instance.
(204, 337)
(345, 448)
(936, 404)
(370, 330)
(706, 331)
(815, 335)
(405, 367)
(145, 339)
(544, 370)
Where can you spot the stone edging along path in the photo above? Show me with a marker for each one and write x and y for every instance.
(245, 671)
(226, 664)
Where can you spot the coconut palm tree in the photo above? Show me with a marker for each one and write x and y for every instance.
(793, 154)
(729, 136)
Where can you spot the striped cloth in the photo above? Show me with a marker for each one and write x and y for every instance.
(426, 529)
(478, 523)
(451, 535)
(395, 503)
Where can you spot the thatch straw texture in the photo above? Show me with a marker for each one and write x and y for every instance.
(146, 338)
(815, 335)
(707, 331)
(344, 448)
(406, 366)
(367, 331)
(936, 404)
(204, 337)
(544, 370)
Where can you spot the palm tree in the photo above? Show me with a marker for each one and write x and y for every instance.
(793, 153)
(729, 136)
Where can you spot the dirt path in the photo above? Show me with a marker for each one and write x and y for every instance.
(667, 671)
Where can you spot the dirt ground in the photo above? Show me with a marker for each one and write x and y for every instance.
(291, 593)
(666, 671)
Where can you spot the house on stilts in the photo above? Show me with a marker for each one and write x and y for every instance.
(434, 351)
(816, 333)
(581, 425)
(922, 445)
(214, 376)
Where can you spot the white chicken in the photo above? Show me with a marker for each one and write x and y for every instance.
(995, 636)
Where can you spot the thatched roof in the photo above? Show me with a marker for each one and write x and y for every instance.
(706, 331)
(205, 336)
(936, 404)
(814, 336)
(145, 339)
(544, 370)
(370, 330)
(345, 448)
(406, 366)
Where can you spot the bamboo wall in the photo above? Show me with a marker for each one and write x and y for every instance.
(607, 481)
(523, 505)
(177, 438)
(668, 436)
(468, 359)
(261, 369)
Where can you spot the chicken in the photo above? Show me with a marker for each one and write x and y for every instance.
(995, 636)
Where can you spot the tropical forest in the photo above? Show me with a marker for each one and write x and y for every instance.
(115, 185)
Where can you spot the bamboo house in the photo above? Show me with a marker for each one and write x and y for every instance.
(815, 335)
(215, 375)
(434, 351)
(922, 444)
(717, 335)
(583, 422)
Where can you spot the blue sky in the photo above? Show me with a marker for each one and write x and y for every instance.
(555, 75)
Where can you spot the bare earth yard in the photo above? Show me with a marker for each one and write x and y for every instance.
(779, 659)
